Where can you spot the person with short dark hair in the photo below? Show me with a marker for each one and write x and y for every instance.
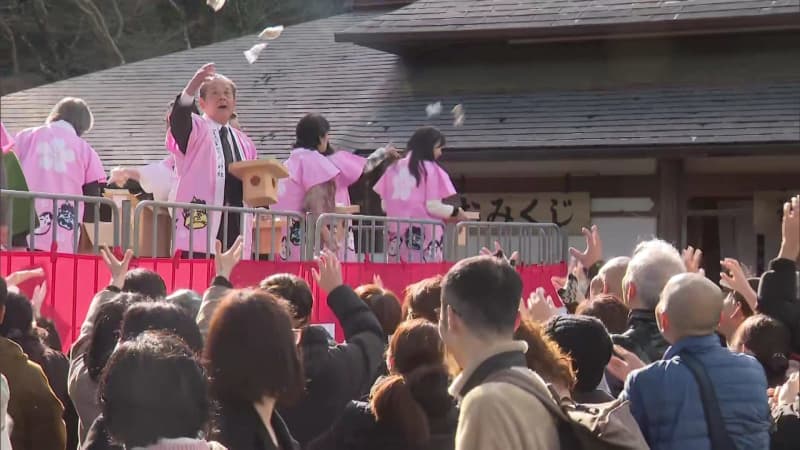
(589, 347)
(35, 409)
(140, 318)
(769, 342)
(163, 316)
(294, 290)
(384, 304)
(480, 300)
(423, 299)
(409, 409)
(188, 300)
(88, 361)
(609, 309)
(145, 282)
(253, 363)
(18, 326)
(153, 394)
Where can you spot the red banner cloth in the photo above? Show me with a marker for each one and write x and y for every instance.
(72, 280)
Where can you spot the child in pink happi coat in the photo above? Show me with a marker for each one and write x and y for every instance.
(204, 146)
(55, 159)
(414, 188)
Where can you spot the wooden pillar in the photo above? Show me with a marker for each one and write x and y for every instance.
(671, 200)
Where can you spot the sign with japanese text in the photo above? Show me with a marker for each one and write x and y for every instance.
(570, 211)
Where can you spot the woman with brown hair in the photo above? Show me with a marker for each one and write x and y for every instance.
(409, 409)
(384, 304)
(423, 299)
(545, 357)
(253, 364)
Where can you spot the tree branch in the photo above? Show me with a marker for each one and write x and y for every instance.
(120, 19)
(10, 34)
(100, 27)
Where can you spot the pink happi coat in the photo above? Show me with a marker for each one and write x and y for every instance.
(402, 197)
(307, 168)
(6, 141)
(201, 179)
(56, 161)
(350, 166)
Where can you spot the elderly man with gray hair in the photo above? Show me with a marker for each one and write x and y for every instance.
(653, 263)
(701, 395)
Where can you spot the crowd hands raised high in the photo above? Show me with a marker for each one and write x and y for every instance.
(668, 358)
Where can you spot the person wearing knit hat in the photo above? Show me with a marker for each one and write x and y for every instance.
(589, 345)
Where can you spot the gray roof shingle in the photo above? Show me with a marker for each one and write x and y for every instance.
(369, 100)
(425, 19)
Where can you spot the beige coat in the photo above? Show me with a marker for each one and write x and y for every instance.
(501, 416)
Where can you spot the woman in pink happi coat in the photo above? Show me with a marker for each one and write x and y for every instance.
(55, 159)
(319, 178)
(414, 188)
(310, 187)
(204, 146)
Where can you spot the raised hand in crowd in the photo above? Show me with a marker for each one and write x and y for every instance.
(623, 362)
(790, 230)
(117, 267)
(500, 253)
(594, 248)
(539, 307)
(224, 262)
(693, 258)
(329, 275)
(736, 279)
(21, 276)
(37, 299)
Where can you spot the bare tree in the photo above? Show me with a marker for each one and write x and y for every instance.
(99, 24)
(9, 33)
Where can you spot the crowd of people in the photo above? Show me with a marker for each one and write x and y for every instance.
(648, 353)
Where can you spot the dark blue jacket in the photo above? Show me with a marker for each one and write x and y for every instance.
(665, 399)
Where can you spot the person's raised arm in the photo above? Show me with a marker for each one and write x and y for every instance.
(224, 264)
(361, 356)
(180, 118)
(777, 292)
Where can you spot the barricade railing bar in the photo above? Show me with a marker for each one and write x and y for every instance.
(537, 243)
(381, 238)
(64, 216)
(270, 229)
(150, 230)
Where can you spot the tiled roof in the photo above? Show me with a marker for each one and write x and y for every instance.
(369, 99)
(507, 19)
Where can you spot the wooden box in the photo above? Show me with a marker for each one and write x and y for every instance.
(259, 180)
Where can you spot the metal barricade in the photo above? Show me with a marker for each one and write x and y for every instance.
(537, 243)
(63, 213)
(271, 229)
(382, 239)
